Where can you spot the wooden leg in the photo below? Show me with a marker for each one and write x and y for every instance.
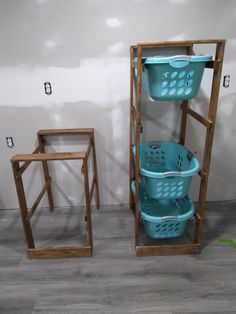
(95, 173)
(131, 130)
(23, 206)
(88, 205)
(200, 207)
(197, 232)
(137, 225)
(46, 175)
(183, 127)
(137, 145)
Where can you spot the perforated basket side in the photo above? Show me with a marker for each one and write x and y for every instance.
(162, 159)
(174, 79)
(163, 230)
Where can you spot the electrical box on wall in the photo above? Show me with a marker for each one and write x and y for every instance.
(226, 81)
(10, 142)
(48, 88)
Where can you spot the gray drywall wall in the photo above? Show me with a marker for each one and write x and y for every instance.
(82, 48)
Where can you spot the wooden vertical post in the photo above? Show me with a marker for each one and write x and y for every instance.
(95, 171)
(137, 144)
(87, 200)
(46, 174)
(23, 205)
(131, 198)
(185, 105)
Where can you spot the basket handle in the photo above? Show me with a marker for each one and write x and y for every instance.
(172, 173)
(179, 61)
(169, 217)
(154, 144)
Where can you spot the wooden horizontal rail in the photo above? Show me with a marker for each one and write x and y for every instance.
(59, 252)
(91, 190)
(181, 43)
(49, 156)
(208, 123)
(36, 203)
(155, 250)
(65, 132)
(202, 174)
(27, 163)
(162, 44)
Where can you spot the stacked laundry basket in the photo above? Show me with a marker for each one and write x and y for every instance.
(166, 168)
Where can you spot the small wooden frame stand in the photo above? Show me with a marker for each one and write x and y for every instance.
(136, 129)
(40, 155)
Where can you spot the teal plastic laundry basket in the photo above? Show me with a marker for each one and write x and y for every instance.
(164, 218)
(167, 169)
(173, 78)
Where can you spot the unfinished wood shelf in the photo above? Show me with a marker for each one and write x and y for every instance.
(40, 154)
(136, 128)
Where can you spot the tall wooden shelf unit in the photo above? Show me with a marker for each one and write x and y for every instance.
(136, 129)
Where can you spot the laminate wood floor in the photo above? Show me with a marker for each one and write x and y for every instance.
(114, 280)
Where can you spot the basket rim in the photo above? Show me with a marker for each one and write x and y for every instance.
(166, 59)
(179, 218)
(160, 175)
(159, 219)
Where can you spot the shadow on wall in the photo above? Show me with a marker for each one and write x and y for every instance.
(161, 120)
